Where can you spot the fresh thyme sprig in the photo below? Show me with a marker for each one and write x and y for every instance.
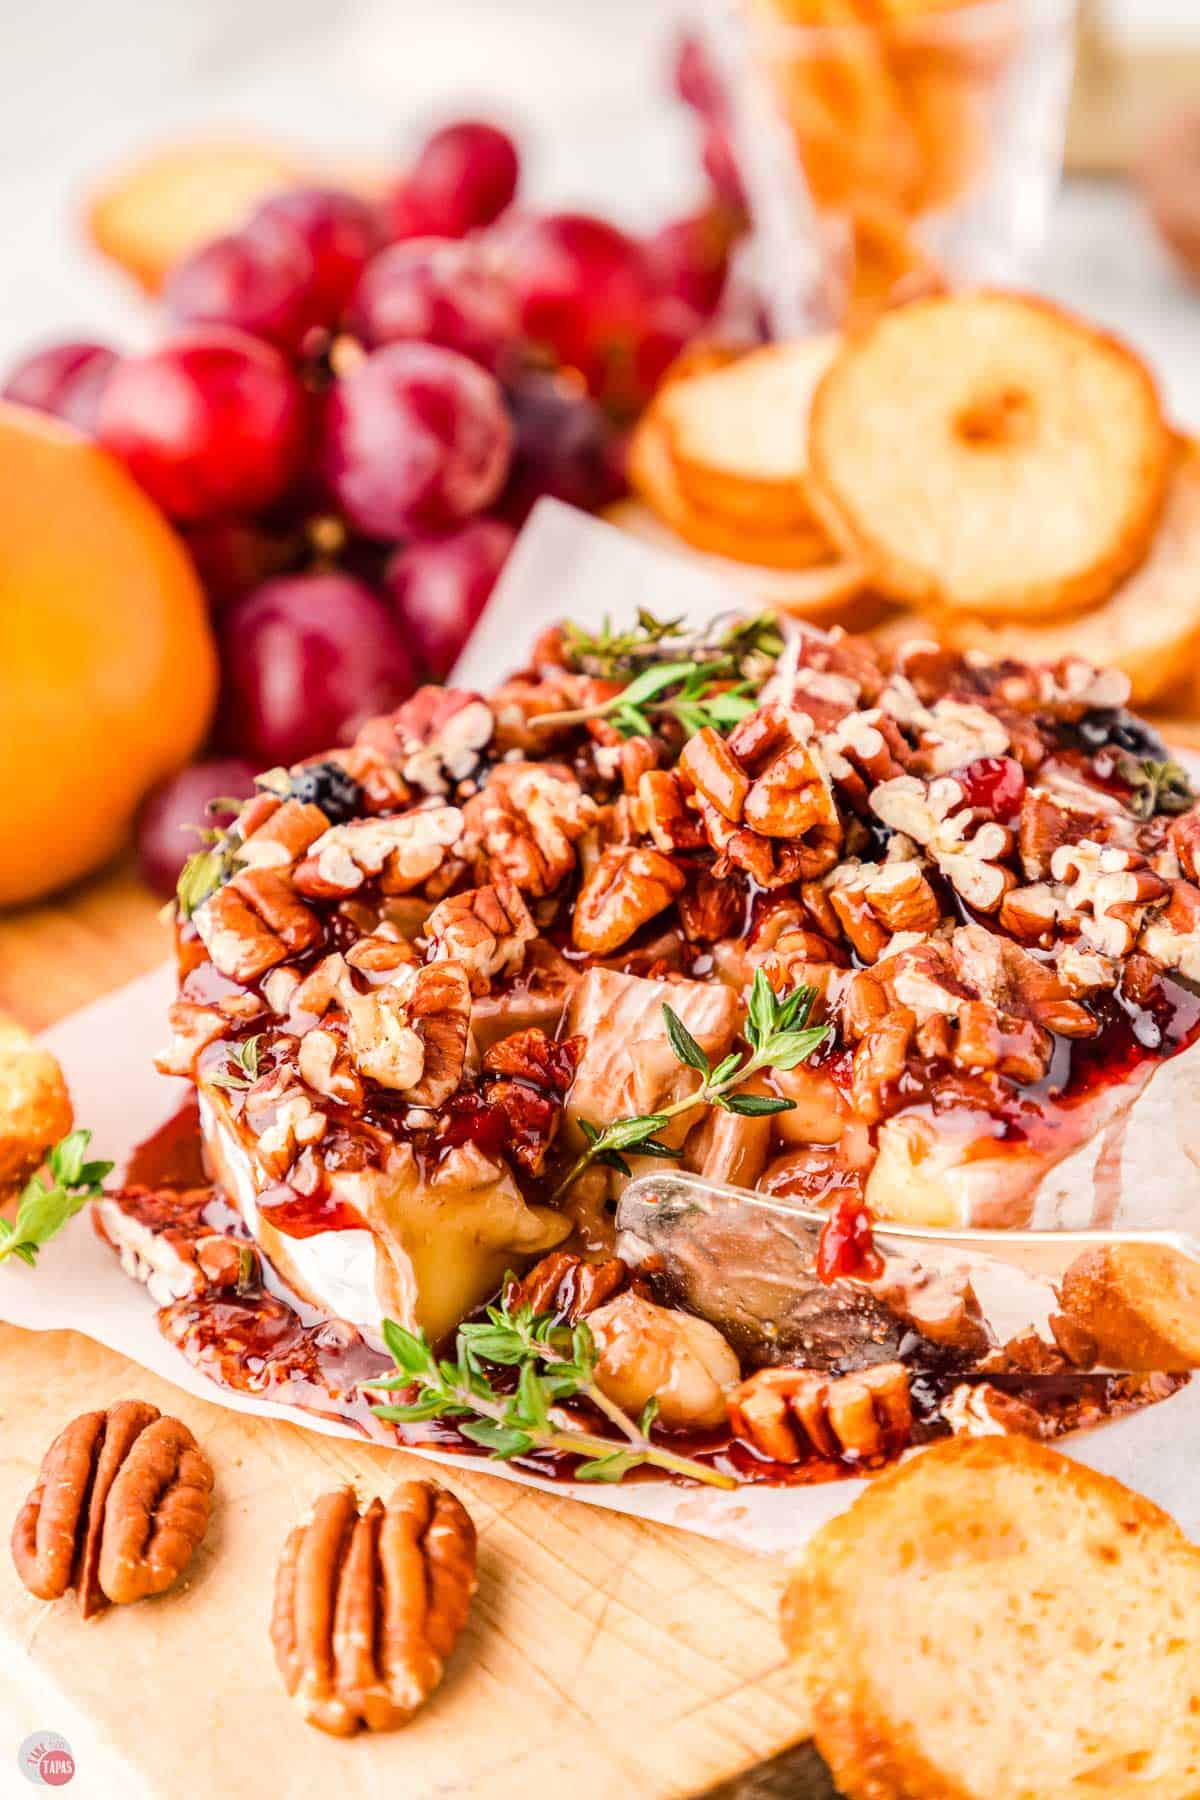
(606, 650)
(45, 1207)
(554, 1362)
(779, 1036)
(706, 695)
(1158, 787)
(245, 1058)
(612, 653)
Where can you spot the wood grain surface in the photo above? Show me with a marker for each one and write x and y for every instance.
(604, 1656)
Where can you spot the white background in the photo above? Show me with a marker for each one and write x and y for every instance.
(86, 81)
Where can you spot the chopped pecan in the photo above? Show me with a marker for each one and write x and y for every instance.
(526, 1077)
(528, 819)
(624, 889)
(410, 1034)
(435, 739)
(879, 1060)
(968, 853)
(761, 785)
(486, 930)
(368, 1608)
(274, 899)
(857, 919)
(325, 1066)
(283, 837)
(1184, 835)
(901, 897)
(1172, 937)
(1030, 913)
(241, 945)
(710, 909)
(787, 1414)
(120, 1504)
(567, 1286)
(1109, 890)
(662, 813)
(194, 1028)
(714, 771)
(284, 1122)
(400, 852)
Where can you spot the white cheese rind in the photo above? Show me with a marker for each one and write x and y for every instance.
(337, 1267)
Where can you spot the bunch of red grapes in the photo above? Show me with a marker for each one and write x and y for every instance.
(356, 407)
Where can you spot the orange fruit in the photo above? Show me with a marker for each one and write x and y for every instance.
(108, 671)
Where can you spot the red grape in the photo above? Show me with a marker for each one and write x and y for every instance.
(440, 291)
(234, 555)
(169, 816)
(340, 233)
(689, 259)
(416, 439)
(258, 281)
(213, 422)
(306, 659)
(462, 180)
(696, 79)
(585, 291)
(566, 446)
(441, 585)
(66, 380)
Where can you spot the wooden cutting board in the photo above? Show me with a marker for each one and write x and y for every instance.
(604, 1656)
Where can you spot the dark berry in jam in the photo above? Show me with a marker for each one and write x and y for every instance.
(846, 1246)
(327, 785)
(1112, 728)
(993, 784)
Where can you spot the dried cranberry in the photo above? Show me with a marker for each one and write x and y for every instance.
(993, 784)
(846, 1246)
(472, 1121)
(327, 785)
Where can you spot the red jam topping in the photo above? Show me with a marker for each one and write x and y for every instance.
(304, 1215)
(846, 1246)
(994, 785)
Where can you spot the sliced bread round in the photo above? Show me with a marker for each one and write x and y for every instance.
(1149, 627)
(992, 1621)
(990, 453)
(738, 433)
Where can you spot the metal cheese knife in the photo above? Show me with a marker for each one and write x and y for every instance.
(747, 1262)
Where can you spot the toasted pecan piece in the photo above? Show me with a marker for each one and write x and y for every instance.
(368, 1607)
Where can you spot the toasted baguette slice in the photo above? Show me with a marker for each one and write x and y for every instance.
(738, 434)
(991, 1621)
(35, 1107)
(987, 452)
(155, 210)
(1149, 627)
(1141, 1303)
(827, 594)
(652, 473)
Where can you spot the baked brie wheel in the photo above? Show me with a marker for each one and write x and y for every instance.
(423, 976)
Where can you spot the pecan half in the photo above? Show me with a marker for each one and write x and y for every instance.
(567, 1286)
(368, 1607)
(121, 1501)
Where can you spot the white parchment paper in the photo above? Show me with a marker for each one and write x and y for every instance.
(565, 565)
